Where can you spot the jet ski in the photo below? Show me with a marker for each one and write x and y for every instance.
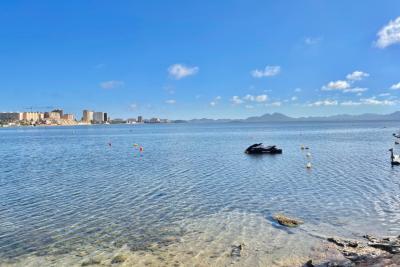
(260, 149)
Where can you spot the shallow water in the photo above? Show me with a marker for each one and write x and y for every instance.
(65, 191)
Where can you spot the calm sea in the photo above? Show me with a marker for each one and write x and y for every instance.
(65, 188)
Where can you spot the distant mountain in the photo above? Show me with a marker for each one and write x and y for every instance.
(362, 117)
(279, 117)
(269, 118)
(204, 120)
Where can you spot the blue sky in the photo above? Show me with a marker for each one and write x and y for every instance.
(194, 59)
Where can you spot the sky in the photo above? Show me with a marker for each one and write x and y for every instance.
(195, 59)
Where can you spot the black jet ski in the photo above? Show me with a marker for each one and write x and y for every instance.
(260, 149)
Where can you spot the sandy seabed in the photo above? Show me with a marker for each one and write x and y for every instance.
(209, 241)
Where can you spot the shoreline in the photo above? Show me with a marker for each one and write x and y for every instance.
(225, 239)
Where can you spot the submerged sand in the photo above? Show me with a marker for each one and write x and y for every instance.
(223, 239)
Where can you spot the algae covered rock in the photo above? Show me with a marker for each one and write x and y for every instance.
(287, 221)
(119, 259)
(91, 262)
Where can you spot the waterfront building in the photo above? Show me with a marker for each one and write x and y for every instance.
(98, 117)
(139, 119)
(117, 121)
(68, 117)
(155, 120)
(131, 121)
(54, 115)
(32, 116)
(59, 111)
(105, 117)
(11, 116)
(87, 116)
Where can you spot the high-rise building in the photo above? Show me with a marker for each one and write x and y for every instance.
(54, 115)
(60, 111)
(11, 116)
(105, 117)
(68, 117)
(87, 116)
(139, 119)
(32, 116)
(98, 117)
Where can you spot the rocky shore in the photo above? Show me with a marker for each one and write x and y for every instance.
(371, 251)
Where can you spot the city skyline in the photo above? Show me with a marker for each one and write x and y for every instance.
(193, 60)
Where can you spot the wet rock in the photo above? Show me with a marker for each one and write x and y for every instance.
(236, 250)
(91, 262)
(309, 264)
(391, 245)
(343, 242)
(374, 252)
(286, 221)
(119, 259)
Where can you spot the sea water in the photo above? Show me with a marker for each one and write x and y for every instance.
(84, 194)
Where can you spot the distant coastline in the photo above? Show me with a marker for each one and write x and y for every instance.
(266, 118)
(279, 117)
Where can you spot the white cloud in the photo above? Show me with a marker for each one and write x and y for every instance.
(384, 94)
(248, 98)
(312, 40)
(345, 85)
(267, 72)
(215, 101)
(395, 86)
(350, 103)
(297, 90)
(261, 98)
(274, 104)
(249, 106)
(325, 102)
(336, 85)
(236, 100)
(111, 84)
(294, 98)
(375, 102)
(179, 71)
(170, 101)
(355, 90)
(357, 75)
(389, 34)
(133, 106)
(372, 101)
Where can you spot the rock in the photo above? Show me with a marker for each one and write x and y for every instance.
(91, 262)
(236, 251)
(309, 264)
(391, 245)
(343, 243)
(375, 252)
(119, 259)
(286, 221)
